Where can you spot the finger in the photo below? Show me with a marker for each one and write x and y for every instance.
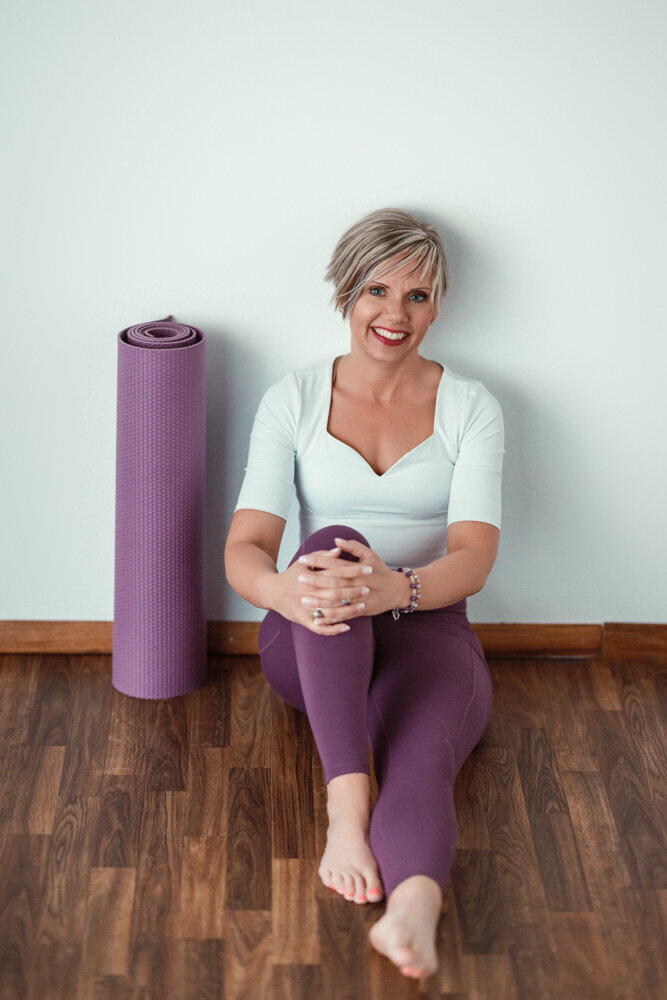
(335, 613)
(321, 628)
(321, 559)
(335, 598)
(354, 547)
(330, 578)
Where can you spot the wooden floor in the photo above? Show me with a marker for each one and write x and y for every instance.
(168, 850)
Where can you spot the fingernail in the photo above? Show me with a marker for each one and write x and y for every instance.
(365, 590)
(303, 579)
(304, 559)
(333, 551)
(346, 628)
(360, 607)
(367, 569)
(307, 600)
(339, 539)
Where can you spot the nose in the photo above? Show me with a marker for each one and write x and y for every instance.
(396, 309)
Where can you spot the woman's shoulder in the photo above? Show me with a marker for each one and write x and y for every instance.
(302, 385)
(464, 389)
(466, 404)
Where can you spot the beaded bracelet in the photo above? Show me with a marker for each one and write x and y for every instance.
(415, 587)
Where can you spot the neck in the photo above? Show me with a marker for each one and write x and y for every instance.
(378, 380)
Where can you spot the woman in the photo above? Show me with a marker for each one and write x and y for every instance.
(397, 465)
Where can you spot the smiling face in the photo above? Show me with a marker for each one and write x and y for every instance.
(390, 318)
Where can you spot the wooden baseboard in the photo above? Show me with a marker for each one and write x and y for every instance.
(613, 641)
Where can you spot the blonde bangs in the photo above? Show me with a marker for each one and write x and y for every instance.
(380, 244)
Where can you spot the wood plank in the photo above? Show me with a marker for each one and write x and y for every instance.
(252, 706)
(63, 914)
(34, 792)
(479, 903)
(295, 914)
(147, 737)
(208, 709)
(249, 839)
(207, 795)
(634, 642)
(18, 684)
(538, 769)
(491, 977)
(240, 638)
(49, 717)
(115, 838)
(472, 830)
(645, 728)
(107, 941)
(613, 640)
(293, 814)
(297, 982)
(85, 759)
(558, 857)
(202, 888)
(518, 870)
(53, 972)
(641, 828)
(345, 949)
(203, 970)
(248, 951)
(55, 636)
(582, 959)
(516, 638)
(23, 862)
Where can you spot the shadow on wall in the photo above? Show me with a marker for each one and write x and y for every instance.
(234, 373)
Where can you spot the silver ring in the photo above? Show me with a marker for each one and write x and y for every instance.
(346, 602)
(318, 613)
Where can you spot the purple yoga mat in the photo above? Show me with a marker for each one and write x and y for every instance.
(159, 629)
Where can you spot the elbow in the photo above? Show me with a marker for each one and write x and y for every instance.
(480, 582)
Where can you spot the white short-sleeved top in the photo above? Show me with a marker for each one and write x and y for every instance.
(453, 475)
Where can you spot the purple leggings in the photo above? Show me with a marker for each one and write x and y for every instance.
(417, 691)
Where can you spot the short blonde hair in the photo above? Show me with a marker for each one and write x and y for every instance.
(366, 250)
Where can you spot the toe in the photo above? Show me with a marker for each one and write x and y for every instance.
(374, 891)
(349, 887)
(359, 889)
(338, 882)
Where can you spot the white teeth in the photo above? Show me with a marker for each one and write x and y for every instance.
(388, 335)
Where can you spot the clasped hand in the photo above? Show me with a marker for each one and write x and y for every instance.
(340, 589)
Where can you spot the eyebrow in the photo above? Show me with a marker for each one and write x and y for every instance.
(417, 288)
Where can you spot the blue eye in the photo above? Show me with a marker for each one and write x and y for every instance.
(374, 288)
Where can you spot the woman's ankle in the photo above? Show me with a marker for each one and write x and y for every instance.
(417, 890)
(348, 795)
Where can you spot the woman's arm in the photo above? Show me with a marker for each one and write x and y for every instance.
(251, 552)
(472, 547)
(471, 552)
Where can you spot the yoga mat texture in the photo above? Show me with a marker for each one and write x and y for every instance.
(159, 629)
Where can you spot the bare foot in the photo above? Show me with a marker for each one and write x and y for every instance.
(406, 933)
(348, 865)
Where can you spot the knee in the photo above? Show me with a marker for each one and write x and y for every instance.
(325, 537)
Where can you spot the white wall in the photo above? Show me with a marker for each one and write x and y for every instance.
(202, 158)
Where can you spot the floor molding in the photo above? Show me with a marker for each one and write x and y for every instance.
(614, 640)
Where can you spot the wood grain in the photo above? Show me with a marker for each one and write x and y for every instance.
(613, 640)
(170, 848)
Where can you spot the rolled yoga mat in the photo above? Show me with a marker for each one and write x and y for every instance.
(159, 629)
